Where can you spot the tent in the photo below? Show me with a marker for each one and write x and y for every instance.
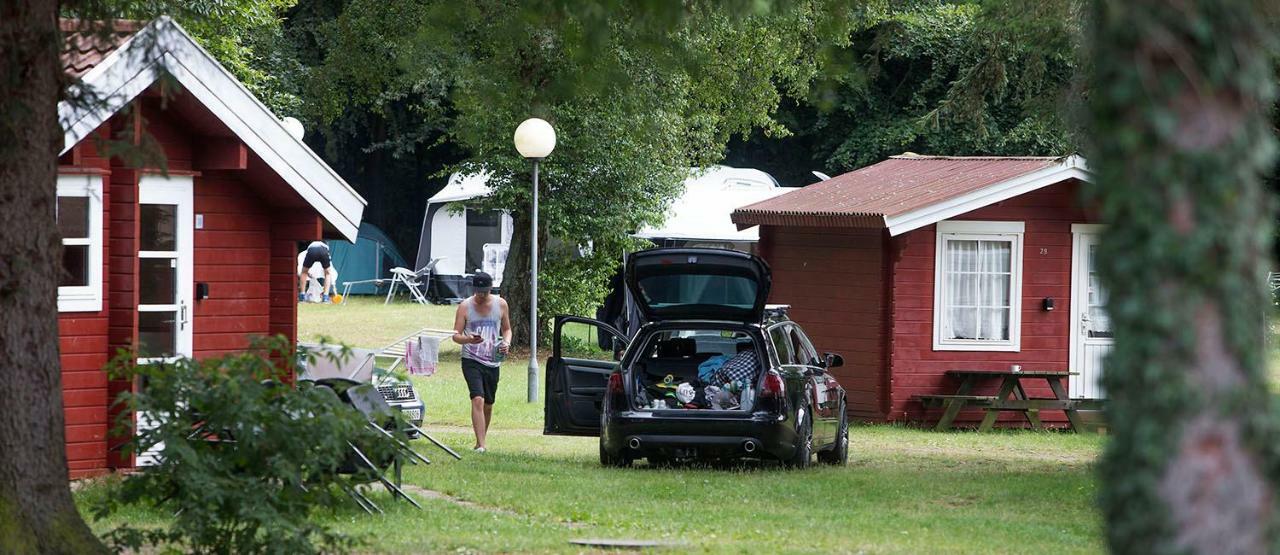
(470, 240)
(372, 256)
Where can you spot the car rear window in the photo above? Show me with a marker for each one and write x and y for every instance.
(663, 291)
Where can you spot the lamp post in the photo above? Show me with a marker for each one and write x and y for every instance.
(535, 139)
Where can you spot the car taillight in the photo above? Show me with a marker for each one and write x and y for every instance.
(772, 386)
(615, 383)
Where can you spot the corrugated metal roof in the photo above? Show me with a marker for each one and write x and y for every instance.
(88, 43)
(901, 184)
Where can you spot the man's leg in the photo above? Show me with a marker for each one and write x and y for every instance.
(302, 284)
(479, 419)
(490, 395)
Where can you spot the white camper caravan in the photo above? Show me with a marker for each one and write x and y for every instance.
(478, 240)
(465, 242)
(700, 216)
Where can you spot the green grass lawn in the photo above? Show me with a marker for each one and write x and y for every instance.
(904, 490)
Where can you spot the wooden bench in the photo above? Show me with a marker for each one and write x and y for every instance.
(953, 404)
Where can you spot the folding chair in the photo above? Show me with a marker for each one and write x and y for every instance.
(360, 367)
(413, 281)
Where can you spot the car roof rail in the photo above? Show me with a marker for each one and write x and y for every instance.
(779, 311)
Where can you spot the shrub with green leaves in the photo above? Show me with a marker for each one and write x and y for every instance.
(241, 460)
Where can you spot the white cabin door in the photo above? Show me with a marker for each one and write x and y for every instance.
(165, 274)
(1091, 335)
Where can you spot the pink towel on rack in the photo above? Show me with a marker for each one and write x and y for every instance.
(421, 355)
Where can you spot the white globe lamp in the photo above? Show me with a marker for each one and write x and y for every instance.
(535, 138)
(294, 127)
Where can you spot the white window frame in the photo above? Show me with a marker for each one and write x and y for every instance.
(980, 231)
(84, 298)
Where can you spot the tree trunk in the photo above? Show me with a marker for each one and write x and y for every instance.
(37, 514)
(516, 281)
(515, 278)
(1180, 141)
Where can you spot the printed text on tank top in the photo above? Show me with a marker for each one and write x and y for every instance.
(487, 325)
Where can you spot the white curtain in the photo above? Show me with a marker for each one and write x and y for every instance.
(1099, 322)
(978, 277)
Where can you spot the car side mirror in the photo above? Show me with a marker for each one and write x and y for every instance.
(833, 360)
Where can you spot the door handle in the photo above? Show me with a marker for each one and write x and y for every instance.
(182, 315)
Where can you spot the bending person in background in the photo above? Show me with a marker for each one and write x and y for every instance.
(483, 329)
(317, 252)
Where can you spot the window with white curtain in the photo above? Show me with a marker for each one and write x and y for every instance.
(978, 286)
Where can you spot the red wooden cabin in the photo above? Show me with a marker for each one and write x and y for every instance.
(193, 261)
(922, 264)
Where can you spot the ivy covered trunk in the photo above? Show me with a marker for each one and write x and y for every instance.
(37, 514)
(1180, 142)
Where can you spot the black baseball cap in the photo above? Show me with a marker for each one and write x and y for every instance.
(481, 280)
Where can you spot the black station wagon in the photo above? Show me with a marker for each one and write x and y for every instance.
(713, 373)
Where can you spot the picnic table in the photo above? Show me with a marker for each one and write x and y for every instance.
(1011, 397)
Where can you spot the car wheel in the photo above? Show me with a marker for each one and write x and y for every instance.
(615, 461)
(804, 445)
(839, 453)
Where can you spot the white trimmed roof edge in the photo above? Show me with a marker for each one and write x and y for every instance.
(1073, 166)
(164, 46)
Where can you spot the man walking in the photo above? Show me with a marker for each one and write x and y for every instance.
(483, 329)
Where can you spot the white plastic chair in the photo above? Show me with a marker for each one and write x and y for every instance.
(413, 281)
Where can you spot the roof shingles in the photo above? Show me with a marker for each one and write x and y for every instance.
(89, 42)
(901, 184)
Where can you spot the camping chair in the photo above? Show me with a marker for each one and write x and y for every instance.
(366, 400)
(361, 364)
(415, 282)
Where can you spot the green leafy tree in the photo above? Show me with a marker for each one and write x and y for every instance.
(245, 36)
(934, 77)
(637, 93)
(1179, 140)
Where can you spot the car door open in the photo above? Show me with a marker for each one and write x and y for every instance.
(584, 353)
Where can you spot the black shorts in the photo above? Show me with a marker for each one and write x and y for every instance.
(482, 380)
(317, 254)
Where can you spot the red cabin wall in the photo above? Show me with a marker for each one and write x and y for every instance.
(834, 280)
(917, 369)
(232, 255)
(82, 346)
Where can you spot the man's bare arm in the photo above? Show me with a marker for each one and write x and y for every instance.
(459, 326)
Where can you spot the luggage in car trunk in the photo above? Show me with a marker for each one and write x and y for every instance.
(689, 373)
